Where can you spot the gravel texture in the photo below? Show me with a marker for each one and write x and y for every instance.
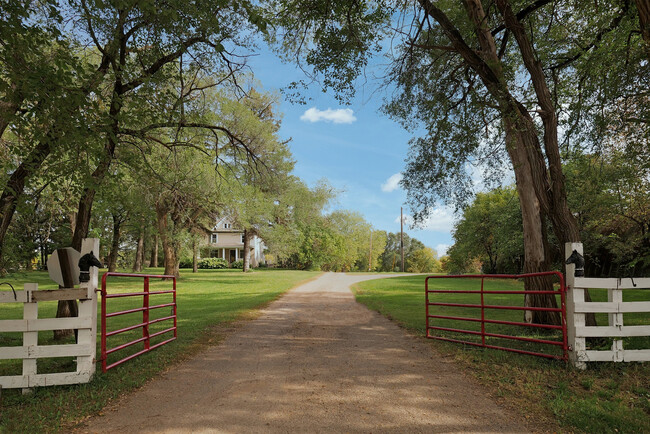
(314, 361)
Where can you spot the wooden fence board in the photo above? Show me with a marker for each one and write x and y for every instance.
(14, 382)
(600, 356)
(7, 353)
(8, 297)
(13, 325)
(41, 351)
(58, 379)
(612, 332)
(596, 307)
(612, 283)
(635, 306)
(59, 294)
(43, 324)
(636, 356)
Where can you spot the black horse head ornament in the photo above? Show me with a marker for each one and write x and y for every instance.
(577, 259)
(85, 262)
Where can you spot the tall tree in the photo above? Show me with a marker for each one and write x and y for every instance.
(144, 43)
(478, 77)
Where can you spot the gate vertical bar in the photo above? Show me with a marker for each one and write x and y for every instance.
(103, 355)
(426, 304)
(175, 310)
(145, 314)
(565, 345)
(482, 313)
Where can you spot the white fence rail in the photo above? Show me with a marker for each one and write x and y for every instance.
(615, 307)
(30, 351)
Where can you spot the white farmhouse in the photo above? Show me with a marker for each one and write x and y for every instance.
(226, 241)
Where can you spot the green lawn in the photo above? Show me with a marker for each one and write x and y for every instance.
(606, 398)
(206, 300)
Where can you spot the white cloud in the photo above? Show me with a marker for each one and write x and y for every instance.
(440, 220)
(391, 183)
(441, 249)
(338, 116)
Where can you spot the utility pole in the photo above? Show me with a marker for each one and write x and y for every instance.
(401, 234)
(370, 253)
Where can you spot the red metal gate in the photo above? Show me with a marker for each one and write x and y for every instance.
(482, 333)
(146, 321)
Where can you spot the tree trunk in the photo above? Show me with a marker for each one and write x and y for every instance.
(171, 262)
(247, 253)
(13, 100)
(143, 254)
(15, 187)
(139, 252)
(169, 253)
(195, 257)
(66, 309)
(88, 196)
(154, 252)
(535, 252)
(84, 212)
(115, 245)
(73, 222)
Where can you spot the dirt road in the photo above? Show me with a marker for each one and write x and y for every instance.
(314, 361)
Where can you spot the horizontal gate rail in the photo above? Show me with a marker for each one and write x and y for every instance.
(483, 307)
(146, 321)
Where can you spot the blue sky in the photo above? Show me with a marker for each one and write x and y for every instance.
(359, 150)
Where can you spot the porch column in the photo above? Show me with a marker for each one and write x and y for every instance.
(223, 253)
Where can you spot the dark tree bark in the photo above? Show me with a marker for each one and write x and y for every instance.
(118, 221)
(169, 252)
(139, 252)
(16, 186)
(65, 309)
(247, 254)
(86, 202)
(154, 251)
(195, 257)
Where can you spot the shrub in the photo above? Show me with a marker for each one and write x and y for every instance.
(212, 263)
(186, 263)
(237, 264)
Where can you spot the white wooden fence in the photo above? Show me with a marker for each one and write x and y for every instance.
(30, 351)
(615, 307)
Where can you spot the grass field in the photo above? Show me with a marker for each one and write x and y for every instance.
(207, 300)
(607, 397)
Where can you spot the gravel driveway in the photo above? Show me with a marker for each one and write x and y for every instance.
(314, 361)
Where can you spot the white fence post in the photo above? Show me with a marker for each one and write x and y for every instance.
(577, 345)
(615, 295)
(88, 309)
(30, 338)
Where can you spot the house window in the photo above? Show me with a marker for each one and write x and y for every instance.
(242, 238)
(227, 225)
(214, 238)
